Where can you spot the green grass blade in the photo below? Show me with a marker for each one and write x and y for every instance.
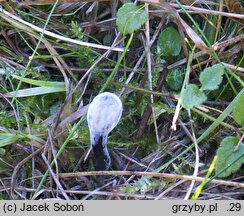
(205, 181)
(117, 65)
(34, 91)
(8, 138)
(40, 82)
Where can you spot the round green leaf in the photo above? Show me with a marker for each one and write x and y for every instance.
(227, 155)
(192, 96)
(238, 112)
(175, 78)
(212, 77)
(169, 42)
(130, 18)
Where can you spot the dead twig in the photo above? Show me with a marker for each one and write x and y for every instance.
(150, 174)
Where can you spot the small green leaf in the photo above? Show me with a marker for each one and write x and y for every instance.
(169, 42)
(157, 111)
(238, 112)
(130, 18)
(212, 77)
(141, 185)
(159, 108)
(192, 96)
(175, 78)
(226, 155)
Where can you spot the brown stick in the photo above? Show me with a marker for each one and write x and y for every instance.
(148, 109)
(150, 174)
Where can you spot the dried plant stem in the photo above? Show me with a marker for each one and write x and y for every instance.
(84, 192)
(197, 158)
(149, 68)
(4, 13)
(149, 174)
(54, 176)
(196, 9)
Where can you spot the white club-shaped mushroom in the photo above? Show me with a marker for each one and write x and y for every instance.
(103, 115)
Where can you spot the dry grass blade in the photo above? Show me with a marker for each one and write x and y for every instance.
(210, 12)
(234, 6)
(75, 48)
(4, 14)
(150, 174)
(190, 32)
(216, 47)
(194, 37)
(18, 167)
(54, 176)
(50, 2)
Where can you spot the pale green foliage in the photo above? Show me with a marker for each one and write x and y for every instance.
(34, 91)
(192, 96)
(142, 185)
(130, 18)
(212, 77)
(159, 108)
(8, 138)
(45, 87)
(77, 31)
(227, 155)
